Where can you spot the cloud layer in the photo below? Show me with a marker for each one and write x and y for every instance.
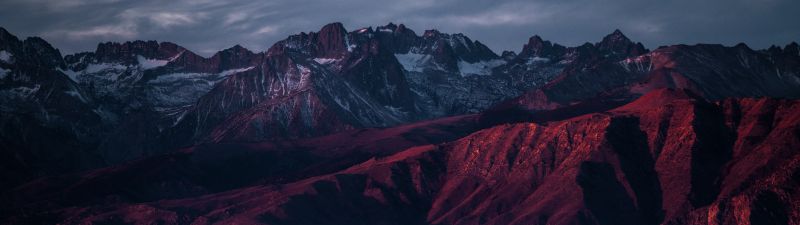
(206, 26)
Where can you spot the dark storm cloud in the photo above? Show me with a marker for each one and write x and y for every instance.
(206, 26)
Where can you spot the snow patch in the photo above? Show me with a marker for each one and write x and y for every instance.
(324, 61)
(305, 75)
(6, 57)
(456, 40)
(538, 59)
(478, 68)
(71, 74)
(94, 68)
(76, 94)
(168, 78)
(397, 111)
(234, 71)
(412, 61)
(208, 78)
(350, 47)
(24, 92)
(146, 63)
(637, 64)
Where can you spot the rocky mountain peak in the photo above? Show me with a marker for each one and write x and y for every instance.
(617, 43)
(331, 41)
(743, 46)
(537, 47)
(236, 49)
(129, 51)
(333, 29)
(401, 27)
(399, 30)
(616, 37)
(41, 52)
(508, 55)
(234, 57)
(6, 39)
(390, 26)
(431, 33)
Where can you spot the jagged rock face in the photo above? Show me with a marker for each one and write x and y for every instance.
(713, 71)
(659, 160)
(150, 74)
(667, 158)
(127, 52)
(508, 55)
(717, 72)
(538, 47)
(147, 87)
(286, 96)
(375, 72)
(292, 94)
(396, 37)
(151, 87)
(617, 43)
(103, 106)
(359, 57)
(560, 75)
(46, 120)
(235, 57)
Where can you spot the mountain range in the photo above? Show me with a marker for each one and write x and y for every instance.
(386, 126)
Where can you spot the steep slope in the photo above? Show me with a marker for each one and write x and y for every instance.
(92, 109)
(214, 168)
(146, 86)
(718, 72)
(667, 158)
(288, 95)
(46, 120)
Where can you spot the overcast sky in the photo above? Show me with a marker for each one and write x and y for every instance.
(206, 26)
